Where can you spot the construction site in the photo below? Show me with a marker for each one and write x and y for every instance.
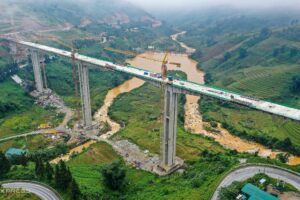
(85, 127)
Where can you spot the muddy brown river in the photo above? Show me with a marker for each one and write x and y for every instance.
(193, 119)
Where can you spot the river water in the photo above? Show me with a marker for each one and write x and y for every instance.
(193, 119)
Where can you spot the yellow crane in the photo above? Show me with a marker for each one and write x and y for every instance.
(164, 62)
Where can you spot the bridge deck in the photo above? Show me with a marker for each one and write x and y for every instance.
(184, 86)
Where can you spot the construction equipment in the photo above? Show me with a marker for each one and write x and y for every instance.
(74, 69)
(73, 51)
(164, 62)
(44, 126)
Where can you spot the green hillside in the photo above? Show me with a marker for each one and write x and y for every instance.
(263, 62)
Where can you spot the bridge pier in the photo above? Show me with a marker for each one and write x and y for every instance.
(83, 72)
(13, 48)
(168, 138)
(37, 71)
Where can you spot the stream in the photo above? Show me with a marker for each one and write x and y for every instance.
(193, 119)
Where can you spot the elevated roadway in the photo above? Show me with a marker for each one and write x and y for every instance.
(185, 87)
(171, 88)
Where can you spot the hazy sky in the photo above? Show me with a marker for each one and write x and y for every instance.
(150, 4)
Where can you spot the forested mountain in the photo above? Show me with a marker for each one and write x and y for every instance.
(32, 15)
(255, 53)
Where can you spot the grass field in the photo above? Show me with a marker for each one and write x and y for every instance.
(196, 183)
(32, 143)
(25, 196)
(11, 92)
(98, 154)
(27, 121)
(140, 110)
(260, 73)
(251, 121)
(86, 167)
(24, 116)
(266, 82)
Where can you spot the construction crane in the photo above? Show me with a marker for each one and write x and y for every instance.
(164, 62)
(73, 60)
(164, 73)
(73, 51)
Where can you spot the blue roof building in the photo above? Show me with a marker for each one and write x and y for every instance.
(255, 193)
(14, 152)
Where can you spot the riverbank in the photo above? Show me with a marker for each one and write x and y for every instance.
(195, 125)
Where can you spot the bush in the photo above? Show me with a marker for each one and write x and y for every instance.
(196, 183)
(284, 158)
(114, 176)
(214, 124)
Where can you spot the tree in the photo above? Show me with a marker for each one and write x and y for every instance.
(295, 87)
(293, 52)
(39, 167)
(47, 59)
(5, 164)
(276, 52)
(63, 176)
(57, 176)
(208, 78)
(287, 143)
(23, 160)
(265, 32)
(75, 191)
(230, 192)
(227, 56)
(242, 53)
(49, 171)
(114, 176)
(283, 157)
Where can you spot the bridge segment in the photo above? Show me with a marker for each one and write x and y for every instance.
(83, 72)
(37, 70)
(168, 144)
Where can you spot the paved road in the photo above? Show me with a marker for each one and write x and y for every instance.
(68, 116)
(22, 135)
(247, 172)
(41, 191)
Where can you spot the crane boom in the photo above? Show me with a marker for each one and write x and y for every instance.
(128, 53)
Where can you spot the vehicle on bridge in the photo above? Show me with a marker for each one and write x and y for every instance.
(110, 66)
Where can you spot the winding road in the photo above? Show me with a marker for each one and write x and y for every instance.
(41, 191)
(243, 173)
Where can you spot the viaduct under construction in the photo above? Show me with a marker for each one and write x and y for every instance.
(172, 89)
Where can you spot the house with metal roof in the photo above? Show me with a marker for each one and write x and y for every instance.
(255, 193)
(14, 152)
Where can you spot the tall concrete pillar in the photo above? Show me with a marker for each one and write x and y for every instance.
(13, 48)
(83, 72)
(13, 51)
(37, 71)
(168, 140)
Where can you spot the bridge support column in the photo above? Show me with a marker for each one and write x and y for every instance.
(83, 72)
(13, 48)
(37, 71)
(168, 140)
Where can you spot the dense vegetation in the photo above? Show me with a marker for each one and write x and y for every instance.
(232, 191)
(259, 57)
(245, 54)
(268, 130)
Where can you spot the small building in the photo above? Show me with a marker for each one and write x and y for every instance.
(255, 193)
(262, 181)
(14, 152)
